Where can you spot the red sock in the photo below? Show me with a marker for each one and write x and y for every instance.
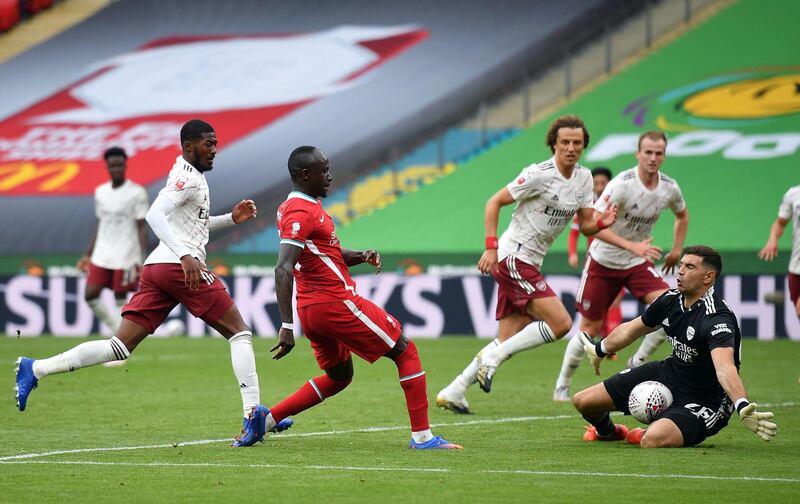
(313, 392)
(613, 319)
(412, 379)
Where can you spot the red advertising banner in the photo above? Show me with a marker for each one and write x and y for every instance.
(139, 101)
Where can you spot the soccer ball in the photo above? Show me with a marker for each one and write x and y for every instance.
(648, 400)
(175, 327)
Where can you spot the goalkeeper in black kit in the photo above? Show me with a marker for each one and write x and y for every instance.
(702, 373)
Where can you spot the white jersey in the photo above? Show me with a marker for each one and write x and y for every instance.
(546, 203)
(790, 210)
(116, 245)
(187, 188)
(638, 209)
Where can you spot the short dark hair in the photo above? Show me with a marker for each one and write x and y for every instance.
(114, 151)
(300, 158)
(195, 128)
(652, 135)
(711, 258)
(602, 170)
(565, 122)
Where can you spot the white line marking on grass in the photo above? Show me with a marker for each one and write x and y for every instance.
(313, 434)
(521, 472)
(284, 435)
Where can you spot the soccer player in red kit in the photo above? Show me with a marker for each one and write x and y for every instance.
(335, 319)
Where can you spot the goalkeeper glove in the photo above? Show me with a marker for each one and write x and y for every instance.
(757, 421)
(593, 350)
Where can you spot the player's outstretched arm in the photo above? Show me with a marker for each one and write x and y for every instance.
(288, 255)
(728, 376)
(679, 231)
(621, 337)
(355, 257)
(592, 222)
(770, 250)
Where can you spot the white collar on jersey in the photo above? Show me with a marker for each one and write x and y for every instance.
(180, 161)
(301, 195)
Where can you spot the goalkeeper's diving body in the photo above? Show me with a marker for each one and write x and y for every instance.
(702, 373)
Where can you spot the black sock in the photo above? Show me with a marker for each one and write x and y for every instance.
(603, 424)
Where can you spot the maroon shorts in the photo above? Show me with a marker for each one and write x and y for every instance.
(518, 282)
(600, 286)
(794, 287)
(162, 287)
(113, 279)
(352, 325)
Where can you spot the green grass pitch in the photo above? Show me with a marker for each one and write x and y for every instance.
(520, 446)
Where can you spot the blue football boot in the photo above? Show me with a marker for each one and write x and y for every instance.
(281, 426)
(435, 443)
(254, 427)
(26, 381)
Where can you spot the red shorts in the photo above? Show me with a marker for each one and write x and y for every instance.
(162, 287)
(794, 287)
(111, 279)
(600, 286)
(352, 325)
(518, 282)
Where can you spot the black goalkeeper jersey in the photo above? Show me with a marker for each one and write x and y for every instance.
(693, 333)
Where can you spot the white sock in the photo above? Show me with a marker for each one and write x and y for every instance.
(244, 367)
(422, 436)
(271, 423)
(649, 345)
(102, 314)
(469, 376)
(573, 355)
(86, 354)
(532, 335)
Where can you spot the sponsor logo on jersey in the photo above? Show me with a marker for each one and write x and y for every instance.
(579, 195)
(555, 197)
(295, 228)
(721, 328)
(635, 206)
(180, 183)
(541, 285)
(586, 304)
(665, 322)
(689, 333)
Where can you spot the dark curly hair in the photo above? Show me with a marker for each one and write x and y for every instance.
(565, 122)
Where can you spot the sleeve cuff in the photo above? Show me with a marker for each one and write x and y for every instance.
(296, 243)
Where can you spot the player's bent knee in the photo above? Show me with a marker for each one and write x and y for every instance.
(581, 401)
(561, 327)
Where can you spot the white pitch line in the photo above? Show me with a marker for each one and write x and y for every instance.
(283, 435)
(521, 472)
(312, 434)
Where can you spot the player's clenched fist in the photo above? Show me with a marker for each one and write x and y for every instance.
(244, 210)
(373, 258)
(488, 262)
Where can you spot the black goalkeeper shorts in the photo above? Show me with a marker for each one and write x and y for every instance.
(696, 419)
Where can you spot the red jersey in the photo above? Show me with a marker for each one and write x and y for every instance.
(321, 274)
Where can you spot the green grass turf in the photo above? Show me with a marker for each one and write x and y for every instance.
(175, 390)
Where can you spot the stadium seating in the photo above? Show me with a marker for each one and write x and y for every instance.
(382, 187)
(718, 162)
